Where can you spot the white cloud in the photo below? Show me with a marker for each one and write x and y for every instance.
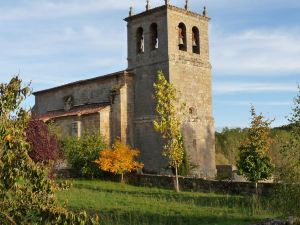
(257, 52)
(43, 9)
(62, 39)
(239, 87)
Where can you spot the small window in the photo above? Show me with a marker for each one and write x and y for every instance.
(192, 112)
(196, 41)
(140, 40)
(76, 129)
(182, 37)
(154, 36)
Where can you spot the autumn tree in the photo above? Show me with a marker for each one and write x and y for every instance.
(44, 144)
(168, 122)
(119, 160)
(254, 161)
(27, 196)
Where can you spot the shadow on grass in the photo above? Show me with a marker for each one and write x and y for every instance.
(228, 201)
(116, 217)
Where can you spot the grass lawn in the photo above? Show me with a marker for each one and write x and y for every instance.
(120, 204)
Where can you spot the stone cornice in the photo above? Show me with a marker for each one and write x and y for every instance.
(166, 7)
(187, 12)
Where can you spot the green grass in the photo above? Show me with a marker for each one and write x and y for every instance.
(120, 204)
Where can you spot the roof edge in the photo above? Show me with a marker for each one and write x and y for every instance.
(106, 76)
(171, 7)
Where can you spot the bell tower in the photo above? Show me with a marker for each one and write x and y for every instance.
(174, 40)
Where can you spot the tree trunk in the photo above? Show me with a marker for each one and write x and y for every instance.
(176, 178)
(122, 178)
(256, 192)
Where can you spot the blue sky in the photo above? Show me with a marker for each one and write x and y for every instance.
(255, 48)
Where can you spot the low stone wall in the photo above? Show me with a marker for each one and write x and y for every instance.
(186, 183)
(197, 184)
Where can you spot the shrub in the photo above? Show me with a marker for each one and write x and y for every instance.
(82, 152)
(119, 159)
(27, 196)
(44, 144)
(287, 196)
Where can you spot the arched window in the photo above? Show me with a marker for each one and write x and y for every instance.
(154, 36)
(196, 40)
(140, 40)
(182, 37)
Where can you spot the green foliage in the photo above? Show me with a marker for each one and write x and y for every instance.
(254, 162)
(227, 144)
(168, 122)
(289, 171)
(131, 205)
(27, 196)
(185, 166)
(286, 199)
(82, 152)
(229, 140)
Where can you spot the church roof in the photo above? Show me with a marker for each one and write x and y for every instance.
(75, 111)
(107, 76)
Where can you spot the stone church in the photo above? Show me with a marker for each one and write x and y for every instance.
(168, 38)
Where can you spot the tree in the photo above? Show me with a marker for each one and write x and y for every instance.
(168, 122)
(119, 160)
(227, 144)
(82, 152)
(287, 196)
(290, 171)
(44, 144)
(27, 196)
(254, 162)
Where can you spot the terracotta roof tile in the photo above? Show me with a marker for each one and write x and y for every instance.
(76, 111)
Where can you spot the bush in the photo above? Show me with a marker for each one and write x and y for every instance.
(119, 160)
(44, 144)
(285, 199)
(27, 196)
(82, 152)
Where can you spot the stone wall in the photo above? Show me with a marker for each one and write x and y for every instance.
(197, 184)
(113, 120)
(191, 75)
(185, 183)
(89, 123)
(96, 90)
(145, 66)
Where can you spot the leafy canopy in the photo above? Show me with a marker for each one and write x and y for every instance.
(82, 152)
(290, 170)
(44, 144)
(254, 161)
(120, 159)
(167, 122)
(27, 196)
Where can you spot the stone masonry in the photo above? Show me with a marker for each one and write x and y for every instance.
(165, 38)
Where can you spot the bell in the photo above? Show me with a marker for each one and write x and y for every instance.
(181, 42)
(194, 43)
(156, 43)
(141, 46)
